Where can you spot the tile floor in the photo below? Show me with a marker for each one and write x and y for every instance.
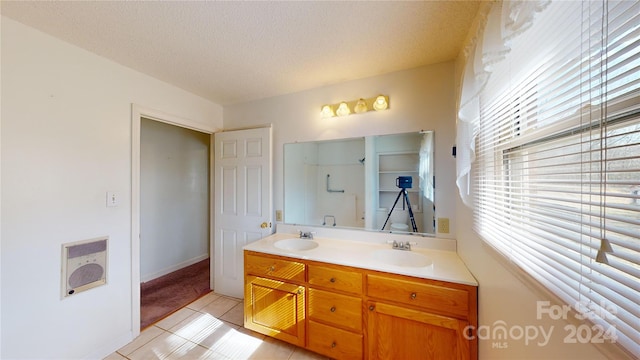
(208, 328)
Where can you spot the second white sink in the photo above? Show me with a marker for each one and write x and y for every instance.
(401, 258)
(295, 244)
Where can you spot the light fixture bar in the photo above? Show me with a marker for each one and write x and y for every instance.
(359, 106)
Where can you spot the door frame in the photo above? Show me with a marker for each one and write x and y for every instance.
(137, 113)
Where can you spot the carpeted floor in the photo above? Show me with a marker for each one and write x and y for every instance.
(167, 294)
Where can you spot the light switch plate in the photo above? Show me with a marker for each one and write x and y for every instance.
(278, 215)
(112, 199)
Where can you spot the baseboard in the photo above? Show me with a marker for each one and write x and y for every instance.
(173, 268)
(111, 347)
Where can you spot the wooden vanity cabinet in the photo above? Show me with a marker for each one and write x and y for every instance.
(419, 318)
(335, 311)
(351, 313)
(274, 295)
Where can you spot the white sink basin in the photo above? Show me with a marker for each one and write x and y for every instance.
(296, 244)
(401, 258)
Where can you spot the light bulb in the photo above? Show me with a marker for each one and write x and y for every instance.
(327, 112)
(361, 106)
(380, 103)
(343, 109)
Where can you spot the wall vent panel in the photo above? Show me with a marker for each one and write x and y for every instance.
(84, 265)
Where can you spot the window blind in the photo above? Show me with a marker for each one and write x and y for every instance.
(557, 172)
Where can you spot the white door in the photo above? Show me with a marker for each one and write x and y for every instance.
(242, 202)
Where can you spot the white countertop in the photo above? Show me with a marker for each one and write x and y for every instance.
(446, 264)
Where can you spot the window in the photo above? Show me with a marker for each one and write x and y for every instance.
(557, 171)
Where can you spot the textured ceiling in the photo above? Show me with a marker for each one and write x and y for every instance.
(232, 52)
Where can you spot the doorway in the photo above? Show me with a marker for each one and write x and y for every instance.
(140, 115)
(174, 217)
(174, 198)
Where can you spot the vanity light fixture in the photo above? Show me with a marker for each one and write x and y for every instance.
(380, 103)
(327, 111)
(343, 109)
(359, 106)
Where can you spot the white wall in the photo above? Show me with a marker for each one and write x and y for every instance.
(174, 198)
(420, 99)
(66, 141)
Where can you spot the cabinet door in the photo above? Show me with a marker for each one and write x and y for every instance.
(275, 308)
(396, 332)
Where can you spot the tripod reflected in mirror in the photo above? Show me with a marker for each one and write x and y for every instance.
(404, 183)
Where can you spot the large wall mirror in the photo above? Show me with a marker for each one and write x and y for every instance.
(383, 182)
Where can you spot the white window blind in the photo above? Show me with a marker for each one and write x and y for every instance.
(557, 172)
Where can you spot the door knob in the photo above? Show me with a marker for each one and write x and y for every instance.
(265, 225)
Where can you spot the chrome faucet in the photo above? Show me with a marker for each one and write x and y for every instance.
(306, 235)
(399, 245)
(324, 220)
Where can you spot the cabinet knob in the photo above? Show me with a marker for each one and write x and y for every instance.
(299, 291)
(272, 268)
(371, 307)
(413, 296)
(333, 309)
(332, 280)
(333, 344)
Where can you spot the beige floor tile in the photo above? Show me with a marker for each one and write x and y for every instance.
(174, 318)
(304, 354)
(272, 349)
(235, 315)
(202, 329)
(218, 356)
(145, 336)
(115, 356)
(213, 338)
(159, 348)
(191, 351)
(219, 306)
(237, 344)
(251, 333)
(203, 301)
(233, 298)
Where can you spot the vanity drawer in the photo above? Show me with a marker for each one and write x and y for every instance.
(332, 342)
(274, 267)
(336, 309)
(416, 293)
(336, 279)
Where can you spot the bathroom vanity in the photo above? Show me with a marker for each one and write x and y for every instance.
(349, 295)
